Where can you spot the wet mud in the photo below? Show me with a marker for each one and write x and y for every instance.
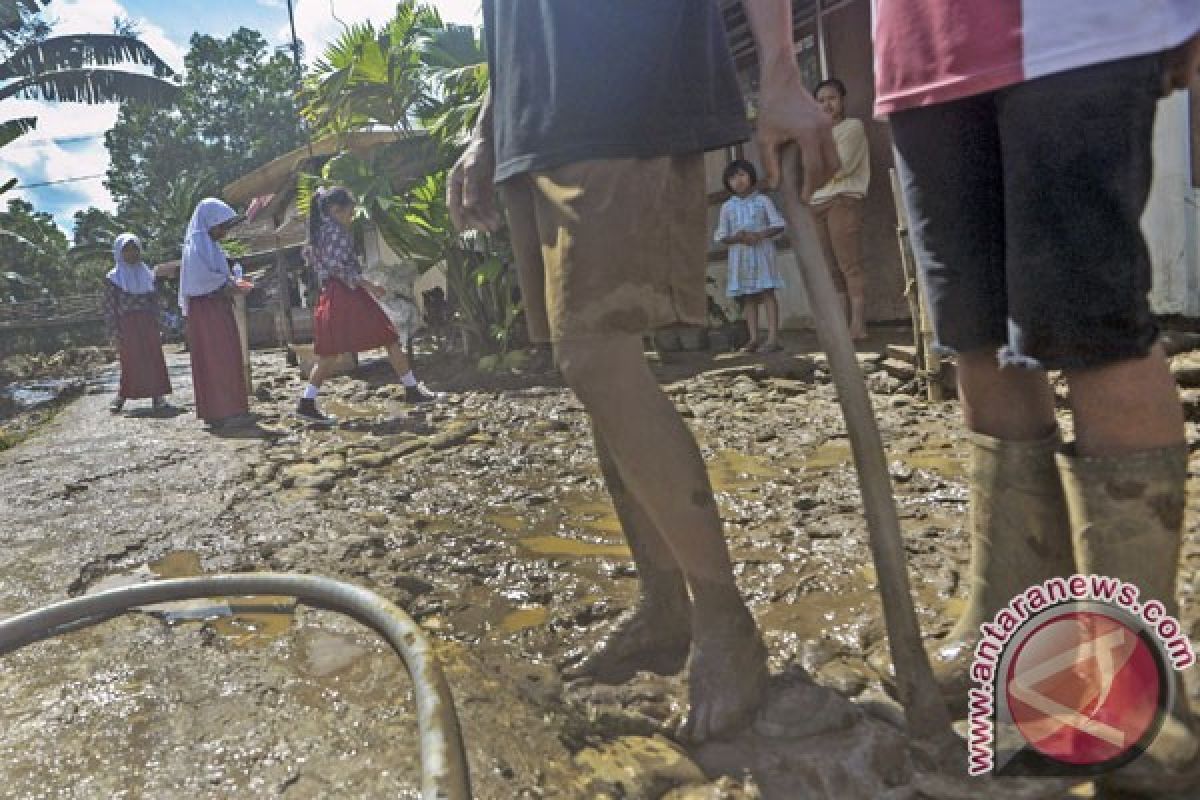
(486, 519)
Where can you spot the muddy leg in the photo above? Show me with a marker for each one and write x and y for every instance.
(659, 463)
(655, 635)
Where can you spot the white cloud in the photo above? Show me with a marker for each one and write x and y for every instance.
(36, 160)
(319, 22)
(68, 142)
(96, 16)
(461, 12)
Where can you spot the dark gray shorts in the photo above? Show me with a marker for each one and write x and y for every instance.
(1025, 208)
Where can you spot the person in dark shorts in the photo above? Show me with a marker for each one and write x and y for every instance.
(1023, 143)
(595, 129)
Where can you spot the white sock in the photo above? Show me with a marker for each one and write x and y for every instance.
(310, 392)
(408, 379)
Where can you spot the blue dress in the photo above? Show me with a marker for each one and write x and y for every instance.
(752, 268)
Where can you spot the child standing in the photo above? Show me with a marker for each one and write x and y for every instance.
(748, 223)
(206, 289)
(131, 307)
(347, 318)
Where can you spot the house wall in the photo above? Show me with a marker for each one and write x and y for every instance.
(1172, 219)
(847, 32)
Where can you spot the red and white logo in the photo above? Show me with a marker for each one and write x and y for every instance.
(1085, 688)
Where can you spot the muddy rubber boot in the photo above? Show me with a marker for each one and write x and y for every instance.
(1127, 522)
(1020, 536)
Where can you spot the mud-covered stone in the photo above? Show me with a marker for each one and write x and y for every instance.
(634, 768)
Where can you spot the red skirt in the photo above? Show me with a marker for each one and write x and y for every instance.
(218, 375)
(143, 368)
(349, 321)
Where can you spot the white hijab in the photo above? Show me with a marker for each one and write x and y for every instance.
(133, 278)
(205, 268)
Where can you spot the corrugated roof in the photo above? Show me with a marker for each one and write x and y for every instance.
(279, 176)
(741, 41)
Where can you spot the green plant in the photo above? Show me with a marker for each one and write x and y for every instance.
(417, 71)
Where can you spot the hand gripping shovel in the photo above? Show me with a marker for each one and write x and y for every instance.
(928, 719)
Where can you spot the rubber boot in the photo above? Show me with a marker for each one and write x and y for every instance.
(1020, 536)
(1127, 522)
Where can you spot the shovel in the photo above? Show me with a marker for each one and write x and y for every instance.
(928, 719)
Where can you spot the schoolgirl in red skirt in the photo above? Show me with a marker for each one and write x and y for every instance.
(206, 290)
(131, 306)
(347, 319)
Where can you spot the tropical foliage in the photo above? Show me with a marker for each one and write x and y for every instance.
(417, 76)
(235, 111)
(82, 68)
(36, 249)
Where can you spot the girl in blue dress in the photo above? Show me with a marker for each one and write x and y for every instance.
(749, 222)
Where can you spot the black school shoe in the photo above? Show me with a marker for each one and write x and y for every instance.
(420, 395)
(307, 408)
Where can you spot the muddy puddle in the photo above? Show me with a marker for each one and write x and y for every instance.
(29, 396)
(242, 620)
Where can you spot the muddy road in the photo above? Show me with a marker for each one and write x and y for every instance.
(486, 519)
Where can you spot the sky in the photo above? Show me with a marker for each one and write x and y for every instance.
(69, 140)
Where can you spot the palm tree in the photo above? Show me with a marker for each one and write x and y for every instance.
(414, 74)
(83, 68)
(456, 69)
(371, 78)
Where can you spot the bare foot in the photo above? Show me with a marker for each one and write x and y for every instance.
(644, 640)
(727, 682)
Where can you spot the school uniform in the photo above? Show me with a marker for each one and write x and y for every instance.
(218, 372)
(347, 319)
(131, 307)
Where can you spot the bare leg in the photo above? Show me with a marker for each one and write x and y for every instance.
(844, 305)
(772, 307)
(1126, 407)
(858, 318)
(1012, 404)
(655, 635)
(751, 308)
(321, 371)
(660, 464)
(399, 359)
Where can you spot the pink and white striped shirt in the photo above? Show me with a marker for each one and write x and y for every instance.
(934, 51)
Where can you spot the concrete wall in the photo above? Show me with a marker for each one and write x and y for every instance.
(1172, 219)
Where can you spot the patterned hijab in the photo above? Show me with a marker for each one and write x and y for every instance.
(133, 278)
